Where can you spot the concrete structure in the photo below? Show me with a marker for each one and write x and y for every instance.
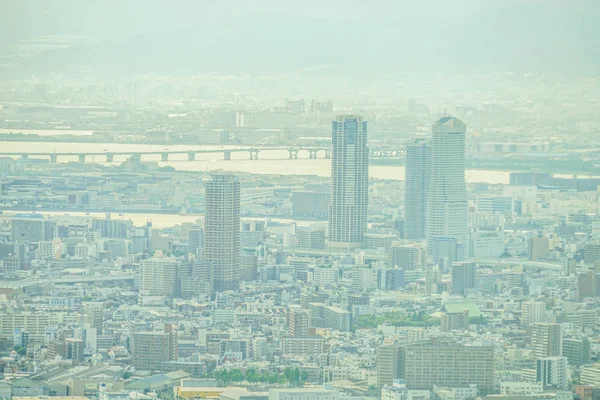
(304, 394)
(590, 375)
(407, 255)
(577, 351)
(539, 248)
(306, 346)
(426, 366)
(349, 188)
(152, 349)
(546, 340)
(553, 371)
(390, 363)
(298, 321)
(159, 277)
(463, 277)
(416, 184)
(533, 312)
(447, 198)
(222, 230)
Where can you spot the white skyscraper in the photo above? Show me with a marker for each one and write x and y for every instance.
(222, 230)
(447, 200)
(416, 184)
(349, 182)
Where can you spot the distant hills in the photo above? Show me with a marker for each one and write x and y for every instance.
(425, 37)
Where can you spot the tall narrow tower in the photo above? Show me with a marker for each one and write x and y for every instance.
(447, 199)
(222, 231)
(416, 184)
(349, 190)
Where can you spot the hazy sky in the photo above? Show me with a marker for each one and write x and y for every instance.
(191, 36)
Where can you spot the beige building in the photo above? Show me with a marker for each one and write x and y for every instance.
(426, 366)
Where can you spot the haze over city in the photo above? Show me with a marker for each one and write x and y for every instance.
(340, 200)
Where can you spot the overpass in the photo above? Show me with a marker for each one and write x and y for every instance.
(253, 152)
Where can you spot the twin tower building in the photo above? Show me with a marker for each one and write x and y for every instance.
(436, 198)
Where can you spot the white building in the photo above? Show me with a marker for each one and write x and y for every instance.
(349, 188)
(447, 205)
(533, 312)
(553, 371)
(222, 230)
(304, 394)
(520, 388)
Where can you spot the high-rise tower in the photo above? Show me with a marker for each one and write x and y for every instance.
(222, 230)
(349, 182)
(416, 184)
(447, 199)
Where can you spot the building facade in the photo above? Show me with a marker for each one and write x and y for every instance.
(222, 231)
(349, 189)
(447, 199)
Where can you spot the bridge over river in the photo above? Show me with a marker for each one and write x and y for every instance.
(253, 152)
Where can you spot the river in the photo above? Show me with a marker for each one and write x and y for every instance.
(271, 161)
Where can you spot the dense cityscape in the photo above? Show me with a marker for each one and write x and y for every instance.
(297, 235)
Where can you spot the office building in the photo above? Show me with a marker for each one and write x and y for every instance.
(160, 277)
(305, 346)
(427, 365)
(486, 242)
(304, 394)
(222, 230)
(592, 253)
(533, 312)
(112, 228)
(447, 199)
(552, 371)
(152, 349)
(446, 251)
(335, 317)
(196, 242)
(349, 188)
(310, 237)
(454, 321)
(577, 351)
(586, 285)
(539, 247)
(310, 205)
(74, 349)
(32, 228)
(416, 183)
(590, 374)
(93, 315)
(390, 363)
(332, 317)
(298, 321)
(497, 204)
(546, 340)
(407, 255)
(463, 277)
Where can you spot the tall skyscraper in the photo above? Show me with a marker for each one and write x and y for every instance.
(349, 189)
(222, 230)
(447, 199)
(416, 184)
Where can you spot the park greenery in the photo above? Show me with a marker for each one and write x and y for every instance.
(417, 319)
(290, 376)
